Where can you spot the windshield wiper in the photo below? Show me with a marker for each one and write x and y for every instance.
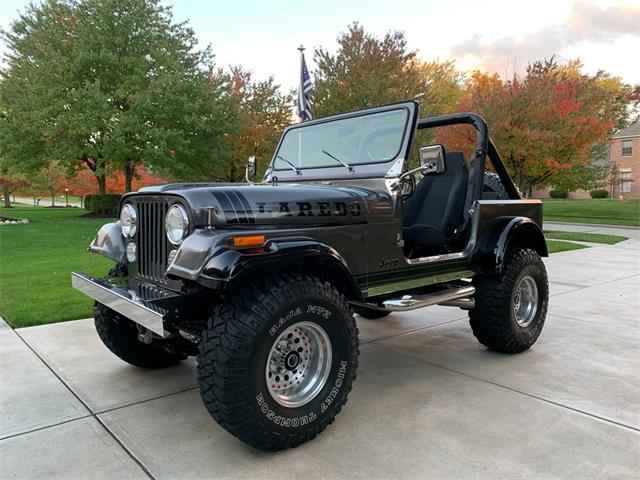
(338, 160)
(293, 167)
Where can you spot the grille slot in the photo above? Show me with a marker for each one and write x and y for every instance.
(152, 240)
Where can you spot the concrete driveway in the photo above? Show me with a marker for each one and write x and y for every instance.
(429, 401)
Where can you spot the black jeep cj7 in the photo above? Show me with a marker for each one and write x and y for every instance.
(260, 281)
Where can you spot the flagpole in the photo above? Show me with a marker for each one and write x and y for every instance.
(300, 99)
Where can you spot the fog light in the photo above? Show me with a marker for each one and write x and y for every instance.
(171, 256)
(131, 252)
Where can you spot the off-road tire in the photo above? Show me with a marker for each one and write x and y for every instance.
(370, 313)
(235, 347)
(492, 183)
(119, 270)
(492, 320)
(120, 335)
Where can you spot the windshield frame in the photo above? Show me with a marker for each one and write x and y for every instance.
(338, 171)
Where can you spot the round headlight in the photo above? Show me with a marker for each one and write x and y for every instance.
(177, 224)
(128, 220)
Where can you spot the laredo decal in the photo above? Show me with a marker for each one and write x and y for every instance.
(237, 209)
(308, 209)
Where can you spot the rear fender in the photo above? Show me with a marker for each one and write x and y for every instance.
(519, 232)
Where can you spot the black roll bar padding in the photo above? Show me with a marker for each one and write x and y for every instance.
(476, 164)
(484, 147)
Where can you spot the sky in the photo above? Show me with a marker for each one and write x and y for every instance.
(493, 36)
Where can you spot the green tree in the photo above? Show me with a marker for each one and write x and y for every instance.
(585, 177)
(364, 72)
(263, 112)
(442, 85)
(48, 179)
(10, 180)
(112, 84)
(367, 71)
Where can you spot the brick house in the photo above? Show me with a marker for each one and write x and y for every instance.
(624, 151)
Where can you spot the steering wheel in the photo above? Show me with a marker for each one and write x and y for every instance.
(363, 147)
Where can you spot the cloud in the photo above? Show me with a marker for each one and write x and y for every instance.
(586, 22)
(589, 22)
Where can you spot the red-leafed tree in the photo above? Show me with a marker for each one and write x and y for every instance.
(550, 121)
(117, 183)
(263, 112)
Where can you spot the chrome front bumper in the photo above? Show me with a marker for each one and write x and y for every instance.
(126, 302)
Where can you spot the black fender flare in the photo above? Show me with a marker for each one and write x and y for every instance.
(229, 268)
(520, 231)
(501, 234)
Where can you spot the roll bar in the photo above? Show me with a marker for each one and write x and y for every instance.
(484, 147)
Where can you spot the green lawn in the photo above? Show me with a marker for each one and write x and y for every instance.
(36, 261)
(585, 237)
(555, 246)
(604, 211)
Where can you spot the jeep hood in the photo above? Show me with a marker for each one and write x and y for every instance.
(265, 204)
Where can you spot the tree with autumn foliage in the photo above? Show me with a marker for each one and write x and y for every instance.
(48, 179)
(546, 123)
(263, 113)
(110, 85)
(10, 180)
(367, 71)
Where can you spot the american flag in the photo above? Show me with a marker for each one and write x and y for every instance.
(304, 105)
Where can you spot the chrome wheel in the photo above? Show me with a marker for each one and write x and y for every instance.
(299, 364)
(525, 301)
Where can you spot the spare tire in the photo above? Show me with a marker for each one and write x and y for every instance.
(492, 185)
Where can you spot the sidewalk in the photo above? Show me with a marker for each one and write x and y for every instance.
(606, 229)
(429, 401)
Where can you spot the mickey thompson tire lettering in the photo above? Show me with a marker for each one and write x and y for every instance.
(235, 348)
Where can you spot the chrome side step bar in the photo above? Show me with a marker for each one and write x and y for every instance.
(452, 297)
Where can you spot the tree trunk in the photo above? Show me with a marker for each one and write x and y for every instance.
(7, 198)
(129, 170)
(53, 198)
(102, 183)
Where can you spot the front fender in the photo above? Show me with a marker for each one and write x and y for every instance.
(213, 263)
(302, 255)
(109, 242)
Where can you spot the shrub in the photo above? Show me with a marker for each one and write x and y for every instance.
(599, 193)
(559, 193)
(102, 204)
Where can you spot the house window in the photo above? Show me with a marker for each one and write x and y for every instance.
(627, 148)
(625, 181)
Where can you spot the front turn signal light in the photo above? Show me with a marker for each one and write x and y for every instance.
(248, 242)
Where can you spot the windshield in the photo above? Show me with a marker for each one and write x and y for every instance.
(369, 138)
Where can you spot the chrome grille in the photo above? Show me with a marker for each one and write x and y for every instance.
(152, 240)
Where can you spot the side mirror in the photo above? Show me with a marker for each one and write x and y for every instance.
(251, 168)
(432, 159)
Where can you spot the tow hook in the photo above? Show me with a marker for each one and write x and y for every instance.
(144, 335)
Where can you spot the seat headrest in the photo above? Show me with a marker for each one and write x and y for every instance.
(454, 163)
